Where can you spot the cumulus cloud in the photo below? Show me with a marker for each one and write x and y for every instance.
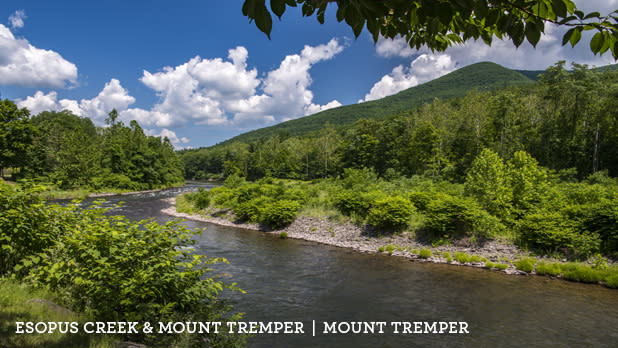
(169, 134)
(113, 96)
(227, 92)
(208, 92)
(425, 67)
(22, 64)
(17, 19)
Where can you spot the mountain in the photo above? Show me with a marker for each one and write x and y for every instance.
(482, 76)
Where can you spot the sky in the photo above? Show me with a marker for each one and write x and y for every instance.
(199, 72)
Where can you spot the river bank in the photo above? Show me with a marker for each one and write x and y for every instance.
(364, 240)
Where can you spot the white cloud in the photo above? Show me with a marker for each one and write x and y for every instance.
(113, 96)
(171, 135)
(220, 92)
(208, 91)
(425, 67)
(17, 19)
(22, 64)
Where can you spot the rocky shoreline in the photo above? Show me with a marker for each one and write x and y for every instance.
(350, 236)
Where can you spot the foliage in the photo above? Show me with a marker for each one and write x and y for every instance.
(70, 152)
(461, 257)
(551, 232)
(279, 213)
(526, 264)
(111, 268)
(487, 182)
(119, 270)
(390, 213)
(455, 217)
(200, 199)
(26, 226)
(17, 135)
(440, 24)
(424, 253)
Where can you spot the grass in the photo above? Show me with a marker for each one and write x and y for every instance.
(448, 257)
(424, 253)
(526, 264)
(16, 305)
(462, 257)
(283, 235)
(183, 205)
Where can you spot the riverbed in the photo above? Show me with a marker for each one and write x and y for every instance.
(302, 281)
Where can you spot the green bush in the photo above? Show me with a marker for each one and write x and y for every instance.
(251, 210)
(455, 217)
(602, 219)
(551, 232)
(420, 199)
(27, 227)
(391, 212)
(223, 197)
(118, 270)
(526, 264)
(279, 213)
(199, 199)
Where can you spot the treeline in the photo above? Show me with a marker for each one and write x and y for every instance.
(70, 152)
(568, 121)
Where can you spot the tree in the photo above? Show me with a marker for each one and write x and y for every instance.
(440, 23)
(17, 135)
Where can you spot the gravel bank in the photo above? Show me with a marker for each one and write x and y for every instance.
(363, 239)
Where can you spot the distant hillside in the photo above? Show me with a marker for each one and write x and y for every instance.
(484, 76)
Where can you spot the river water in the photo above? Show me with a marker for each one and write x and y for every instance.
(292, 280)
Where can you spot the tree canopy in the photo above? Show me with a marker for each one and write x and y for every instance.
(439, 24)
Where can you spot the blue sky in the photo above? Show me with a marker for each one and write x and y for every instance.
(199, 72)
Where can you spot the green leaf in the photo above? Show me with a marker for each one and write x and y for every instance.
(592, 14)
(577, 35)
(560, 8)
(445, 13)
(567, 36)
(278, 7)
(596, 43)
(533, 34)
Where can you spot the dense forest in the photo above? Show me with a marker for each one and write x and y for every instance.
(567, 121)
(70, 152)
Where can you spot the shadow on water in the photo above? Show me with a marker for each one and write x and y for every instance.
(292, 280)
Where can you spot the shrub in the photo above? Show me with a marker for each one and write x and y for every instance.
(420, 199)
(391, 212)
(223, 197)
(526, 264)
(199, 199)
(602, 219)
(283, 235)
(251, 210)
(118, 270)
(348, 202)
(455, 217)
(551, 232)
(390, 248)
(425, 253)
(27, 227)
(279, 213)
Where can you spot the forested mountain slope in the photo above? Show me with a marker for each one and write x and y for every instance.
(483, 76)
